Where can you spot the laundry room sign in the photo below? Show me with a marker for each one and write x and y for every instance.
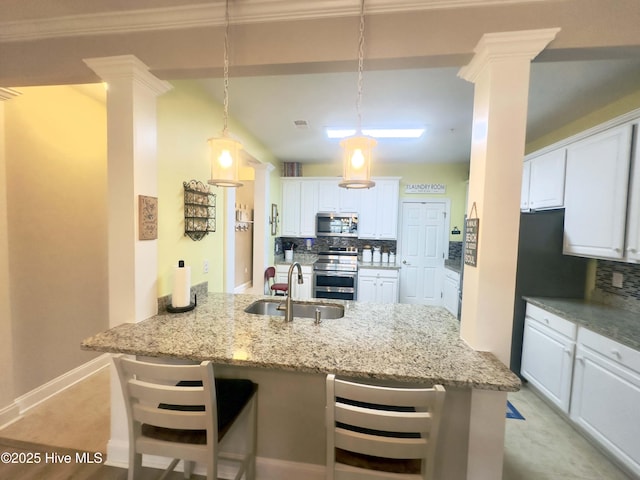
(425, 188)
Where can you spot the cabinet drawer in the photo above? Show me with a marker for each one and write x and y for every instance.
(377, 273)
(452, 274)
(554, 322)
(610, 349)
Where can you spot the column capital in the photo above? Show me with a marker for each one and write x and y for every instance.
(518, 45)
(8, 93)
(127, 67)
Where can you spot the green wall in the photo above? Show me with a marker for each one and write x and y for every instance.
(187, 117)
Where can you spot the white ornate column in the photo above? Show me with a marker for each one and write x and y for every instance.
(132, 171)
(8, 409)
(500, 72)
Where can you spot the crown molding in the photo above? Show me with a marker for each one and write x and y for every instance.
(212, 14)
(8, 93)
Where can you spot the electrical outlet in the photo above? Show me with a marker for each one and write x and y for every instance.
(205, 266)
(617, 279)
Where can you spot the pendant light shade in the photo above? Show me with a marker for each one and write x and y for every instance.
(225, 151)
(225, 156)
(357, 162)
(358, 149)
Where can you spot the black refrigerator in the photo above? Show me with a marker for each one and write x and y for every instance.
(543, 271)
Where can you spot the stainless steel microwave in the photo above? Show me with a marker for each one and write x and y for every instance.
(330, 224)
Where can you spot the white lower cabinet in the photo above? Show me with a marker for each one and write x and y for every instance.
(450, 291)
(547, 354)
(377, 285)
(299, 292)
(606, 396)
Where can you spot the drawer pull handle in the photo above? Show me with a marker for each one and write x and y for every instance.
(580, 359)
(546, 320)
(567, 351)
(615, 353)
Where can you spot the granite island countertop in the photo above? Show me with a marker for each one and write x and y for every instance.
(407, 343)
(620, 325)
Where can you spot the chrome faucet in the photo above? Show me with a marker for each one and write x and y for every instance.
(288, 304)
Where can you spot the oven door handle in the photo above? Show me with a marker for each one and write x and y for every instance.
(323, 273)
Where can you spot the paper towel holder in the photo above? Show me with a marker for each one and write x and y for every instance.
(187, 308)
(184, 308)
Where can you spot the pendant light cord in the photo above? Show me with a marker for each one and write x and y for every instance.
(226, 69)
(360, 67)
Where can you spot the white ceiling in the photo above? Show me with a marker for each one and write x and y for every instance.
(433, 98)
(36, 43)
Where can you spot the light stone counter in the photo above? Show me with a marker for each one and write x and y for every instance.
(617, 324)
(406, 343)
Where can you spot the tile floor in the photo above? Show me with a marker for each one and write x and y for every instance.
(545, 447)
(542, 447)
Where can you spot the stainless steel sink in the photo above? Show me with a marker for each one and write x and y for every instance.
(300, 309)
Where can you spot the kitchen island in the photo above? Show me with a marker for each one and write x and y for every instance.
(408, 344)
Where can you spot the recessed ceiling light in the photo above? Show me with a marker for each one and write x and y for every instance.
(302, 124)
(377, 132)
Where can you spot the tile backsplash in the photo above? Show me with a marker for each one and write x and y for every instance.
(322, 243)
(628, 296)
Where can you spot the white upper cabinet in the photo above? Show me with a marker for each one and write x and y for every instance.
(332, 198)
(633, 213)
(304, 197)
(524, 194)
(546, 188)
(378, 214)
(328, 196)
(299, 207)
(543, 181)
(597, 179)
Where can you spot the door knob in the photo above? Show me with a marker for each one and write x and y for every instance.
(405, 262)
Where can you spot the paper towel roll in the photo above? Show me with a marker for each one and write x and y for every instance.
(181, 294)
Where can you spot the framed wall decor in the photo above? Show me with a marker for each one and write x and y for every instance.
(274, 219)
(147, 218)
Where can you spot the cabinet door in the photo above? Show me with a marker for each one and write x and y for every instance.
(450, 293)
(290, 208)
(387, 208)
(367, 285)
(524, 194)
(605, 404)
(368, 214)
(546, 184)
(328, 195)
(378, 215)
(633, 215)
(596, 194)
(349, 200)
(387, 290)
(308, 208)
(547, 362)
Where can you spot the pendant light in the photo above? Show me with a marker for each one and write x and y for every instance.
(225, 151)
(358, 149)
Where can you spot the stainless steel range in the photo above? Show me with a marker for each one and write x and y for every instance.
(336, 273)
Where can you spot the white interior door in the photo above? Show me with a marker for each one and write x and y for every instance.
(422, 252)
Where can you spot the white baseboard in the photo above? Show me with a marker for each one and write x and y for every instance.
(266, 468)
(64, 381)
(244, 287)
(9, 414)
